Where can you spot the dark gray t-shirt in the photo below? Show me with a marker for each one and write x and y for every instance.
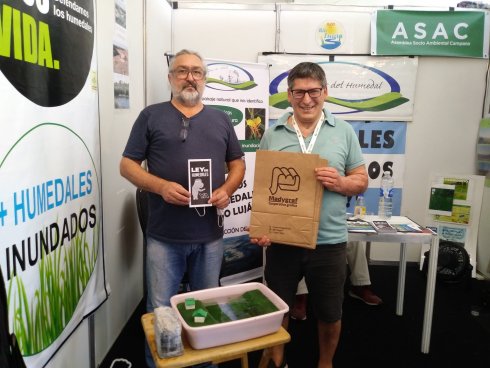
(155, 137)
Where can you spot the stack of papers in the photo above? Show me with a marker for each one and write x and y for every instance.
(383, 226)
(406, 228)
(359, 225)
(355, 225)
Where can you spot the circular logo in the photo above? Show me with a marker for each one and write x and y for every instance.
(46, 48)
(329, 35)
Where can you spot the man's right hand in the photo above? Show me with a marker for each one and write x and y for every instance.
(175, 193)
(263, 241)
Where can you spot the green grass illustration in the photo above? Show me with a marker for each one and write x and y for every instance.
(380, 103)
(241, 86)
(63, 276)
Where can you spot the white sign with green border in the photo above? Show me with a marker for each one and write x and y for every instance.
(430, 33)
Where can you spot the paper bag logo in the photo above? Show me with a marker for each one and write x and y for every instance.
(285, 179)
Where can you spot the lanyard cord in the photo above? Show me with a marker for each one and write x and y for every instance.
(199, 213)
(314, 136)
(219, 211)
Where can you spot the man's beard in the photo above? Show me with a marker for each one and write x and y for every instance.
(188, 98)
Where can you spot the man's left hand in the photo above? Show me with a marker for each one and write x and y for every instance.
(330, 178)
(220, 198)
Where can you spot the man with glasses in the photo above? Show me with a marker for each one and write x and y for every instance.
(310, 128)
(167, 135)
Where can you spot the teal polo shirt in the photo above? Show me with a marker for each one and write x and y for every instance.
(338, 143)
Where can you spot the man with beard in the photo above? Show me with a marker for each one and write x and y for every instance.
(181, 238)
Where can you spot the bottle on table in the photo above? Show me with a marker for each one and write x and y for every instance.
(385, 203)
(360, 208)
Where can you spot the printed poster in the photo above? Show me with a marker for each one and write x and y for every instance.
(120, 57)
(458, 209)
(441, 199)
(51, 251)
(461, 224)
(200, 182)
(383, 146)
(359, 87)
(241, 91)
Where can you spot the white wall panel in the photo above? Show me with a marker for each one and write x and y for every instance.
(224, 34)
(447, 110)
(122, 235)
(158, 41)
(483, 250)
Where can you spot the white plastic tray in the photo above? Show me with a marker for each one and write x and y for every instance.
(233, 331)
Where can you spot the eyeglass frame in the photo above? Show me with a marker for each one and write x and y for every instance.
(184, 131)
(303, 92)
(181, 70)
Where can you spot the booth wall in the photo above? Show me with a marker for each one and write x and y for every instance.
(448, 100)
(158, 40)
(483, 254)
(122, 236)
(148, 29)
(224, 34)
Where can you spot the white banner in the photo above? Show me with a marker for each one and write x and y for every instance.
(50, 184)
(240, 90)
(359, 87)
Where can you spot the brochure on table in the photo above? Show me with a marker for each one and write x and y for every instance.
(396, 224)
(358, 225)
(460, 224)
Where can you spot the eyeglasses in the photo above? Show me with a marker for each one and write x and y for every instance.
(182, 73)
(298, 94)
(185, 128)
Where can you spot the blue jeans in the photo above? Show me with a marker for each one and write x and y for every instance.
(166, 264)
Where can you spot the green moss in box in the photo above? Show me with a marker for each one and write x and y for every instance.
(250, 304)
(260, 303)
(187, 314)
(217, 313)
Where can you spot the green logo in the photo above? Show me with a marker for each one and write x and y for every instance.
(434, 33)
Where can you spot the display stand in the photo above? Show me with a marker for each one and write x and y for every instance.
(460, 226)
(404, 239)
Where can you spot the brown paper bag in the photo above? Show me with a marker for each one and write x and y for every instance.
(287, 198)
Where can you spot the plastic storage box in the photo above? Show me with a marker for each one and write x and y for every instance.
(233, 331)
